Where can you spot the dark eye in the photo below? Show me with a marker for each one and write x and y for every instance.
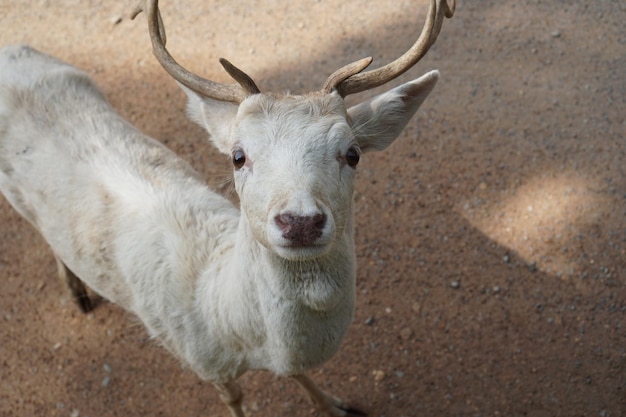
(239, 158)
(352, 156)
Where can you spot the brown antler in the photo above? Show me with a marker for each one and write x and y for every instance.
(349, 79)
(224, 92)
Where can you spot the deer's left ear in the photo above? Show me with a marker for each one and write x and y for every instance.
(216, 117)
(378, 121)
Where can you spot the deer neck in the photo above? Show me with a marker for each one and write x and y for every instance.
(270, 305)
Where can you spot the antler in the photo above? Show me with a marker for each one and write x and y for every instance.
(223, 92)
(349, 79)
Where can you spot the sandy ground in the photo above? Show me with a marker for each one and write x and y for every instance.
(491, 236)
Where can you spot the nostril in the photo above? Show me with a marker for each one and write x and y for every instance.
(301, 230)
(319, 220)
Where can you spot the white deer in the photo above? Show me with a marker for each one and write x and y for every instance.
(268, 286)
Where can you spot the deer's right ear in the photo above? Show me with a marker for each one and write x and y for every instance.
(215, 116)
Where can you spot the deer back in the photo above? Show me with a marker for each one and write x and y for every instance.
(94, 186)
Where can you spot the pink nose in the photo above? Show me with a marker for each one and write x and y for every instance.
(301, 230)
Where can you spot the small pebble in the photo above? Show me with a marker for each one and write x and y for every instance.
(406, 333)
(106, 381)
(107, 368)
(369, 321)
(416, 307)
(555, 34)
(455, 284)
(378, 375)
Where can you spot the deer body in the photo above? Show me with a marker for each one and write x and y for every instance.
(138, 224)
(269, 285)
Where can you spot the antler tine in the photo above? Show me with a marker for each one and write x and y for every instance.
(224, 92)
(345, 72)
(358, 81)
(241, 77)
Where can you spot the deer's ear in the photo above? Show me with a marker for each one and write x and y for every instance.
(378, 121)
(216, 117)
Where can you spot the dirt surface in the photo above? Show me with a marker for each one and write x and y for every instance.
(491, 237)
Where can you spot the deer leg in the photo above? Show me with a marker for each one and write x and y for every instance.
(76, 286)
(326, 403)
(230, 394)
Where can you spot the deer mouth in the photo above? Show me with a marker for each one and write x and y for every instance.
(292, 252)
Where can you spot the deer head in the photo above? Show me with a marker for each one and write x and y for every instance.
(294, 156)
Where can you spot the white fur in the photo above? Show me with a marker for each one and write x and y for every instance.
(222, 288)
